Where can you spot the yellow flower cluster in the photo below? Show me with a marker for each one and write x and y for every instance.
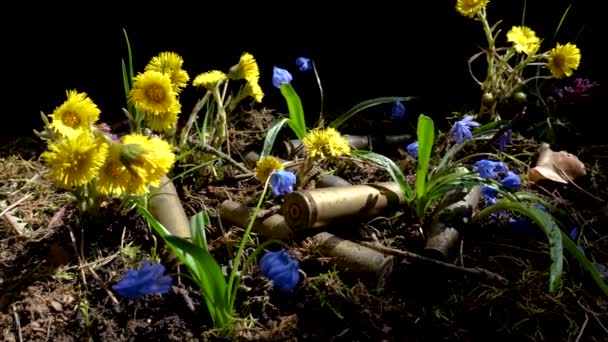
(82, 153)
(247, 69)
(325, 142)
(155, 91)
(561, 60)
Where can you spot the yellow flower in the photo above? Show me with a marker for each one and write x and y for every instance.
(254, 90)
(146, 158)
(75, 160)
(152, 92)
(170, 63)
(165, 121)
(563, 59)
(114, 178)
(523, 39)
(77, 113)
(246, 69)
(209, 79)
(326, 142)
(469, 8)
(264, 168)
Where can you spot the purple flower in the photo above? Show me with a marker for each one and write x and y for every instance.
(398, 111)
(462, 129)
(505, 138)
(281, 269)
(147, 280)
(304, 64)
(280, 76)
(573, 236)
(412, 149)
(579, 89)
(488, 168)
(282, 182)
(511, 181)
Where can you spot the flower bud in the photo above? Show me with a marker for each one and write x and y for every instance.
(487, 98)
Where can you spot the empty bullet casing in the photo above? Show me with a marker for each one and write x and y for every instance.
(320, 207)
(353, 257)
(239, 215)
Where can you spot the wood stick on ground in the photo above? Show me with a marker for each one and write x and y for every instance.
(477, 271)
(210, 149)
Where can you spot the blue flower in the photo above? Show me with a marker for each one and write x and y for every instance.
(511, 181)
(304, 64)
(280, 76)
(398, 111)
(282, 182)
(573, 236)
(281, 269)
(488, 168)
(462, 129)
(148, 280)
(412, 149)
(505, 138)
(489, 193)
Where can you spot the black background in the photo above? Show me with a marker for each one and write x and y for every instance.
(362, 51)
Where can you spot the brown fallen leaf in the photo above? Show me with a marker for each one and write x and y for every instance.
(560, 166)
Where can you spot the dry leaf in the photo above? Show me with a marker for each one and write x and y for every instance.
(559, 166)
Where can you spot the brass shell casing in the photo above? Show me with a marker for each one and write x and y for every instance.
(239, 215)
(320, 207)
(355, 258)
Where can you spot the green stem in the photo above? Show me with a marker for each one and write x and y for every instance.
(239, 253)
(221, 122)
(193, 115)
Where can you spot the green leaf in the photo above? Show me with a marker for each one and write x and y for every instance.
(364, 105)
(271, 136)
(197, 229)
(297, 121)
(392, 169)
(215, 298)
(585, 264)
(211, 281)
(426, 138)
(549, 227)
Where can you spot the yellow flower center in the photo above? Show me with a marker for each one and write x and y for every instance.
(559, 60)
(114, 170)
(155, 93)
(472, 2)
(70, 119)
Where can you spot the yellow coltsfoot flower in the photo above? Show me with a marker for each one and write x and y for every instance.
(523, 39)
(76, 159)
(77, 113)
(115, 179)
(146, 158)
(266, 166)
(326, 142)
(153, 93)
(469, 8)
(246, 69)
(164, 121)
(170, 63)
(563, 59)
(209, 79)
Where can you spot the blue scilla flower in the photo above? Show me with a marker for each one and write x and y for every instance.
(281, 269)
(511, 181)
(280, 76)
(304, 64)
(147, 280)
(412, 149)
(462, 129)
(282, 182)
(488, 168)
(398, 110)
(505, 138)
(489, 193)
